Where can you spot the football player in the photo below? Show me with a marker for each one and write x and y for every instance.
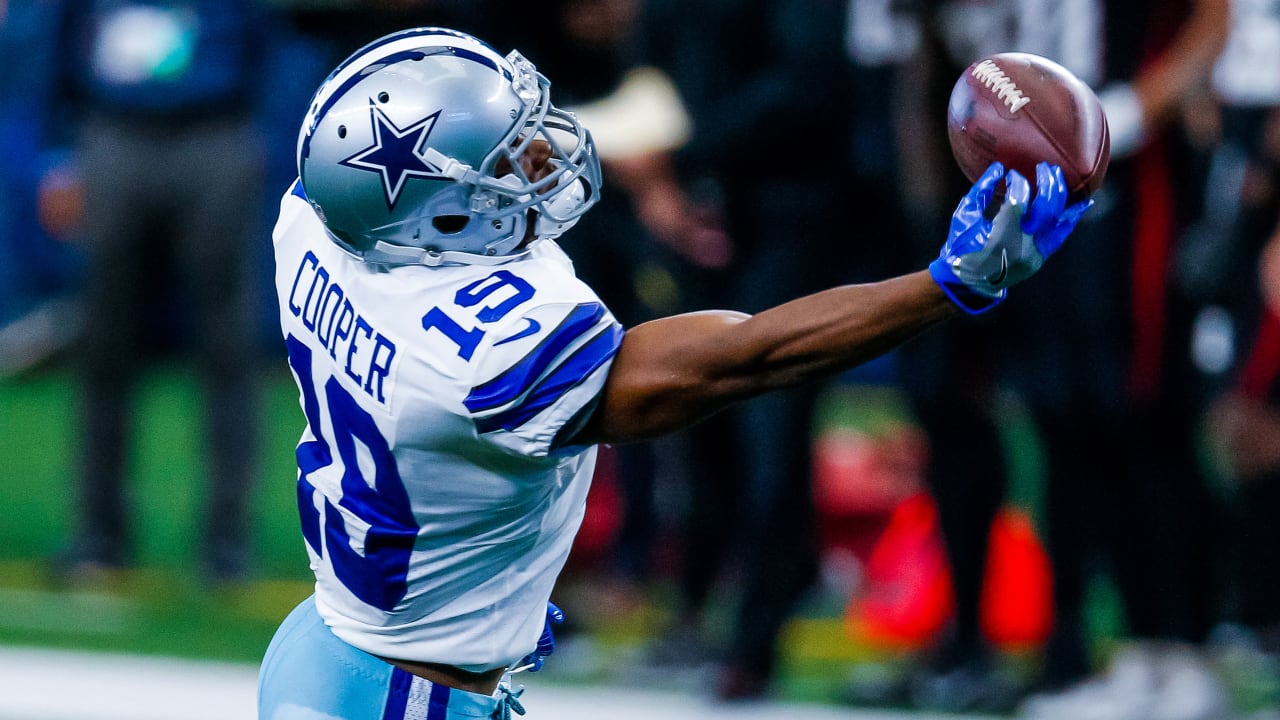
(456, 377)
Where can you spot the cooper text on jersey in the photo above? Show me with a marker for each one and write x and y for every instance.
(325, 310)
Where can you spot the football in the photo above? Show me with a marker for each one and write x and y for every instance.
(1021, 109)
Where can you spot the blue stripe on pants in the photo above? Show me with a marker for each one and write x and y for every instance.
(397, 695)
(309, 673)
(438, 705)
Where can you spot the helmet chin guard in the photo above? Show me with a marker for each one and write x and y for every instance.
(400, 149)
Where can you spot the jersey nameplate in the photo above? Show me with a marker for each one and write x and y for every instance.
(364, 353)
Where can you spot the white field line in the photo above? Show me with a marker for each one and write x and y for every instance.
(39, 684)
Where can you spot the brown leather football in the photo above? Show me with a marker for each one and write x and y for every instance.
(1020, 109)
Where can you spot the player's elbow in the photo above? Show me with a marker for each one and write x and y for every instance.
(671, 373)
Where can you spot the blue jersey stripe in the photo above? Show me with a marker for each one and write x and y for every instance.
(571, 373)
(438, 704)
(397, 695)
(515, 381)
(308, 515)
(296, 189)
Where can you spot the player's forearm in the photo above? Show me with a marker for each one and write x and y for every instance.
(822, 334)
(672, 372)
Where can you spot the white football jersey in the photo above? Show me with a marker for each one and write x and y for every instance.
(436, 504)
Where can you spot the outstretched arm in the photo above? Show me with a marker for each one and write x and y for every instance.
(672, 372)
(677, 370)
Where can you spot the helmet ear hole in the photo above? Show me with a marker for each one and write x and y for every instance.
(450, 224)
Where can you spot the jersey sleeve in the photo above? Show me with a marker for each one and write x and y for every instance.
(296, 218)
(540, 372)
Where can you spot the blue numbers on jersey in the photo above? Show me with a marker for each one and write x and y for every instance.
(379, 505)
(378, 576)
(466, 340)
(510, 291)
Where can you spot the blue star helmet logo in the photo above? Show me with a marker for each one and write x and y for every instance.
(396, 153)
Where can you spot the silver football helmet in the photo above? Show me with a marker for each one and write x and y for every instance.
(401, 150)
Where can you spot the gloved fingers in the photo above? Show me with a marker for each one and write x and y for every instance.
(1051, 198)
(986, 183)
(1006, 227)
(975, 202)
(969, 224)
(1017, 190)
(1072, 215)
(1049, 242)
(547, 641)
(1005, 234)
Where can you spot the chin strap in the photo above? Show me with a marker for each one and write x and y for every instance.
(452, 169)
(385, 253)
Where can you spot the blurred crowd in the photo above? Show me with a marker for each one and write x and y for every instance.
(754, 151)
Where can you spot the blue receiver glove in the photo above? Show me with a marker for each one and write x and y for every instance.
(983, 258)
(546, 644)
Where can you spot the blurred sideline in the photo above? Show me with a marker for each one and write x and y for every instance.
(64, 685)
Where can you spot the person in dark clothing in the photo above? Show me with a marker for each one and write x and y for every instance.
(158, 100)
(1074, 375)
(757, 81)
(950, 380)
(1114, 392)
(1240, 231)
(650, 238)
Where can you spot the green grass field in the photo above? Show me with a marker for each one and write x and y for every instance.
(161, 607)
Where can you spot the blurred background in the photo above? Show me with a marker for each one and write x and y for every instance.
(1067, 508)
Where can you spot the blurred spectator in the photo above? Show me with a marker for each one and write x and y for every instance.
(643, 222)
(158, 98)
(317, 36)
(953, 378)
(1245, 426)
(37, 315)
(626, 68)
(1111, 383)
(772, 80)
(1113, 392)
(311, 37)
(1244, 421)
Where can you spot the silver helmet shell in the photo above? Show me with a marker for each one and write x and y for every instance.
(400, 151)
